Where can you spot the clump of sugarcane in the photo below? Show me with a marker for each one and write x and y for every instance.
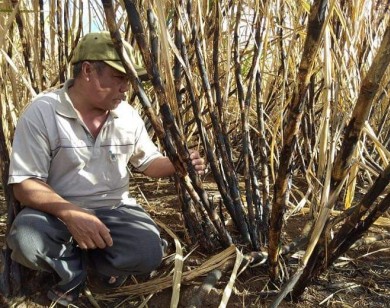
(196, 222)
(228, 184)
(354, 225)
(223, 170)
(257, 219)
(320, 253)
(168, 130)
(191, 216)
(211, 156)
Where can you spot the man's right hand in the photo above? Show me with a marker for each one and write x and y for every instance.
(87, 230)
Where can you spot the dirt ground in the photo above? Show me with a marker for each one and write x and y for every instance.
(361, 278)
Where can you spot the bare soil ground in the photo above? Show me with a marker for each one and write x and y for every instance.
(361, 278)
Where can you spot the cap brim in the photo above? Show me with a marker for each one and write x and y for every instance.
(118, 66)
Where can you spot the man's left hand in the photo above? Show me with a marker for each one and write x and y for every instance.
(198, 162)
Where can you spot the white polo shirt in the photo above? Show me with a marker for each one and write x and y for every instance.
(52, 144)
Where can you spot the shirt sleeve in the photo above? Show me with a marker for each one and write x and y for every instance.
(145, 151)
(30, 156)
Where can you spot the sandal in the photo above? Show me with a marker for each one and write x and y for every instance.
(63, 296)
(164, 245)
(66, 294)
(113, 281)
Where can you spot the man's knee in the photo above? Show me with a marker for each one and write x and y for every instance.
(150, 256)
(146, 256)
(137, 247)
(25, 242)
(140, 257)
(30, 237)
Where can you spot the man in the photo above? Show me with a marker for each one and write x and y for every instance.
(69, 170)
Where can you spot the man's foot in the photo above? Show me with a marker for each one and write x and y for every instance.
(100, 283)
(164, 246)
(114, 281)
(64, 297)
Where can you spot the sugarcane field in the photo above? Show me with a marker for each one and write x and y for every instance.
(287, 104)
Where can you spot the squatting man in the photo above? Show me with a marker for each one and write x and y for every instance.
(69, 171)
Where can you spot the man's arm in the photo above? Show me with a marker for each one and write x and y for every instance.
(86, 228)
(163, 167)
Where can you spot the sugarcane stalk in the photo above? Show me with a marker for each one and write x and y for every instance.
(178, 66)
(321, 259)
(368, 90)
(263, 219)
(369, 87)
(66, 33)
(312, 42)
(244, 110)
(219, 102)
(151, 66)
(199, 231)
(26, 47)
(252, 186)
(371, 239)
(209, 282)
(61, 65)
(42, 36)
(216, 77)
(73, 45)
(354, 219)
(196, 230)
(361, 228)
(264, 166)
(308, 128)
(262, 144)
(10, 281)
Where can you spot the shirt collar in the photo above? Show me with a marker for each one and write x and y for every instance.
(115, 113)
(65, 106)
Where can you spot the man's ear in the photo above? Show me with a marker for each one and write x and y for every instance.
(86, 69)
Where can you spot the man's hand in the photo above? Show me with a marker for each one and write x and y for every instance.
(87, 230)
(163, 167)
(197, 162)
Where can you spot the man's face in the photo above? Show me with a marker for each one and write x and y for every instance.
(108, 87)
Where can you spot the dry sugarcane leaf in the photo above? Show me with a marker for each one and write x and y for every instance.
(178, 266)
